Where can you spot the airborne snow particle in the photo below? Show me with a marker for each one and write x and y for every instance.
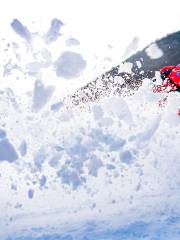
(126, 157)
(53, 162)
(39, 158)
(53, 32)
(18, 205)
(132, 47)
(58, 148)
(70, 177)
(69, 65)
(117, 144)
(23, 148)
(41, 95)
(30, 193)
(56, 106)
(7, 151)
(139, 64)
(33, 68)
(154, 52)
(2, 133)
(94, 165)
(126, 67)
(72, 42)
(13, 187)
(21, 30)
(110, 166)
(42, 181)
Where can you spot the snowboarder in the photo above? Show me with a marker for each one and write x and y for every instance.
(171, 83)
(171, 79)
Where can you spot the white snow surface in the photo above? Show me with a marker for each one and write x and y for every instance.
(113, 161)
(90, 169)
(109, 161)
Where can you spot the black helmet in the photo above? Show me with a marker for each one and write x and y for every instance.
(165, 74)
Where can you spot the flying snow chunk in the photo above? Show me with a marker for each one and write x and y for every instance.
(118, 144)
(43, 181)
(94, 165)
(126, 157)
(2, 133)
(30, 193)
(126, 67)
(69, 65)
(9, 67)
(54, 30)
(138, 63)
(39, 158)
(154, 52)
(119, 80)
(7, 151)
(33, 68)
(132, 47)
(72, 42)
(41, 95)
(70, 177)
(23, 148)
(56, 106)
(21, 30)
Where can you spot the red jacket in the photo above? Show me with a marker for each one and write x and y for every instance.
(174, 74)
